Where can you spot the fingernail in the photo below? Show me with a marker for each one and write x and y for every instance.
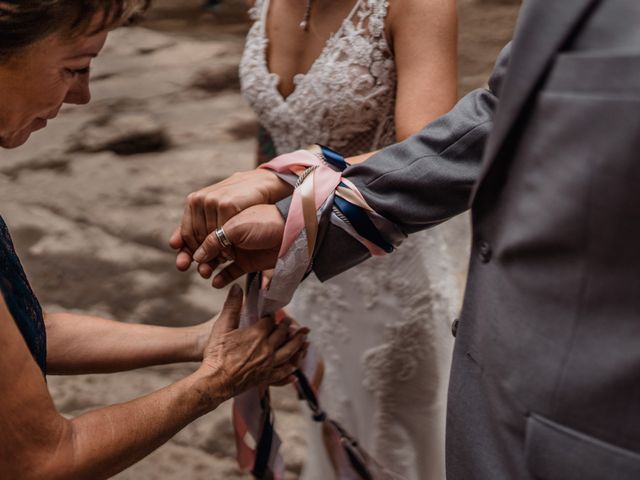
(235, 291)
(199, 255)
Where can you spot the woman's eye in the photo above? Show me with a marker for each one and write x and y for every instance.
(79, 71)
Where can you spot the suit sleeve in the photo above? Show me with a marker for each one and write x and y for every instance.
(422, 181)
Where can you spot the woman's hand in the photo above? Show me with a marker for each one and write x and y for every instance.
(213, 206)
(238, 359)
(202, 333)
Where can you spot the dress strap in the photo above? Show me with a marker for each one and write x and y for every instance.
(255, 12)
(377, 17)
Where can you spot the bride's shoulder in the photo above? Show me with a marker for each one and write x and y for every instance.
(254, 7)
(400, 11)
(420, 15)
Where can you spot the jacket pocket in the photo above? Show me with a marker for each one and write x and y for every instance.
(556, 452)
(596, 73)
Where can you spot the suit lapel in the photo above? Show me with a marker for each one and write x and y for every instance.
(543, 26)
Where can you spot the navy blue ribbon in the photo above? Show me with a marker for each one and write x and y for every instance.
(334, 158)
(261, 469)
(356, 215)
(362, 223)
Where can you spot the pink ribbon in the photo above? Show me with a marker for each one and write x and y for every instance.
(249, 415)
(326, 181)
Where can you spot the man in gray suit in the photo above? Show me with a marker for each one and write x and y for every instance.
(545, 382)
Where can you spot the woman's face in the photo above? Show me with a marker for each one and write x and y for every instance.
(40, 79)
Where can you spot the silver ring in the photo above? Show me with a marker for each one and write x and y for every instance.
(222, 238)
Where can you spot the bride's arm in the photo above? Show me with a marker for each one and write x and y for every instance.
(86, 344)
(423, 36)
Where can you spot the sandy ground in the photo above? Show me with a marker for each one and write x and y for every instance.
(92, 199)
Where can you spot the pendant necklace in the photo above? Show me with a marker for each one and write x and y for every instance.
(304, 24)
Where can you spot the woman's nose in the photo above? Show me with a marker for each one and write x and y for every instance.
(79, 93)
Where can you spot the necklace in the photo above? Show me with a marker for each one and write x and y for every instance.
(304, 24)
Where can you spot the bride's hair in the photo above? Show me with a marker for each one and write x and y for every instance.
(23, 22)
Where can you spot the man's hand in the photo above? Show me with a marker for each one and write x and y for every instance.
(255, 235)
(213, 206)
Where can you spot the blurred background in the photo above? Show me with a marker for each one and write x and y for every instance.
(91, 200)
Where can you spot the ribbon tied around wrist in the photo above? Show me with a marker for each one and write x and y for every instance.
(318, 188)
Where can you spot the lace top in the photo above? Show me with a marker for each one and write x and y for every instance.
(347, 98)
(20, 299)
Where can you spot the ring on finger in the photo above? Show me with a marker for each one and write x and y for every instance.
(222, 238)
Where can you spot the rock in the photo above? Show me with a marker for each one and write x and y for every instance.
(125, 134)
(219, 437)
(217, 77)
(56, 162)
(176, 462)
(244, 129)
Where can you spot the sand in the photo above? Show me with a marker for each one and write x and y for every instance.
(92, 199)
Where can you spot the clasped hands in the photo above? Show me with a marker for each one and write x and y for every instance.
(243, 205)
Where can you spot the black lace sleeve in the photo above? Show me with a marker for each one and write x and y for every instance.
(21, 300)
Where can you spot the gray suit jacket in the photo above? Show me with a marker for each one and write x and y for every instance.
(545, 381)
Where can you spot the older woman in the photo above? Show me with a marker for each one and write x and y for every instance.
(46, 48)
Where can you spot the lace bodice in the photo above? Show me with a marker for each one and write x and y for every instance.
(346, 100)
(20, 299)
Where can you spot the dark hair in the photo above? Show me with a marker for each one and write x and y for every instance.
(24, 22)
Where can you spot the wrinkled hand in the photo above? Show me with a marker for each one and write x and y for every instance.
(213, 206)
(238, 359)
(255, 235)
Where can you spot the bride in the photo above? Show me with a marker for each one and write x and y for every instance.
(358, 75)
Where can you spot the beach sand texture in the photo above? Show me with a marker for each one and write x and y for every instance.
(91, 201)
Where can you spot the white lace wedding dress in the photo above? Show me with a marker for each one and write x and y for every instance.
(383, 327)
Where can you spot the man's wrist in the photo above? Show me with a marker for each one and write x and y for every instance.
(277, 188)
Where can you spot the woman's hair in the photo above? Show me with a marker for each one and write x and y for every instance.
(23, 22)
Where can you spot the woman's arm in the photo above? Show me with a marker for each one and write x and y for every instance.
(36, 442)
(85, 344)
(424, 38)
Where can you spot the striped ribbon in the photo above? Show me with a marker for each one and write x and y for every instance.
(316, 187)
(324, 183)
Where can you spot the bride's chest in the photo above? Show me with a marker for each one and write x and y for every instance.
(292, 50)
(353, 73)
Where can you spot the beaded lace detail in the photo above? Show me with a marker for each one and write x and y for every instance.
(347, 98)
